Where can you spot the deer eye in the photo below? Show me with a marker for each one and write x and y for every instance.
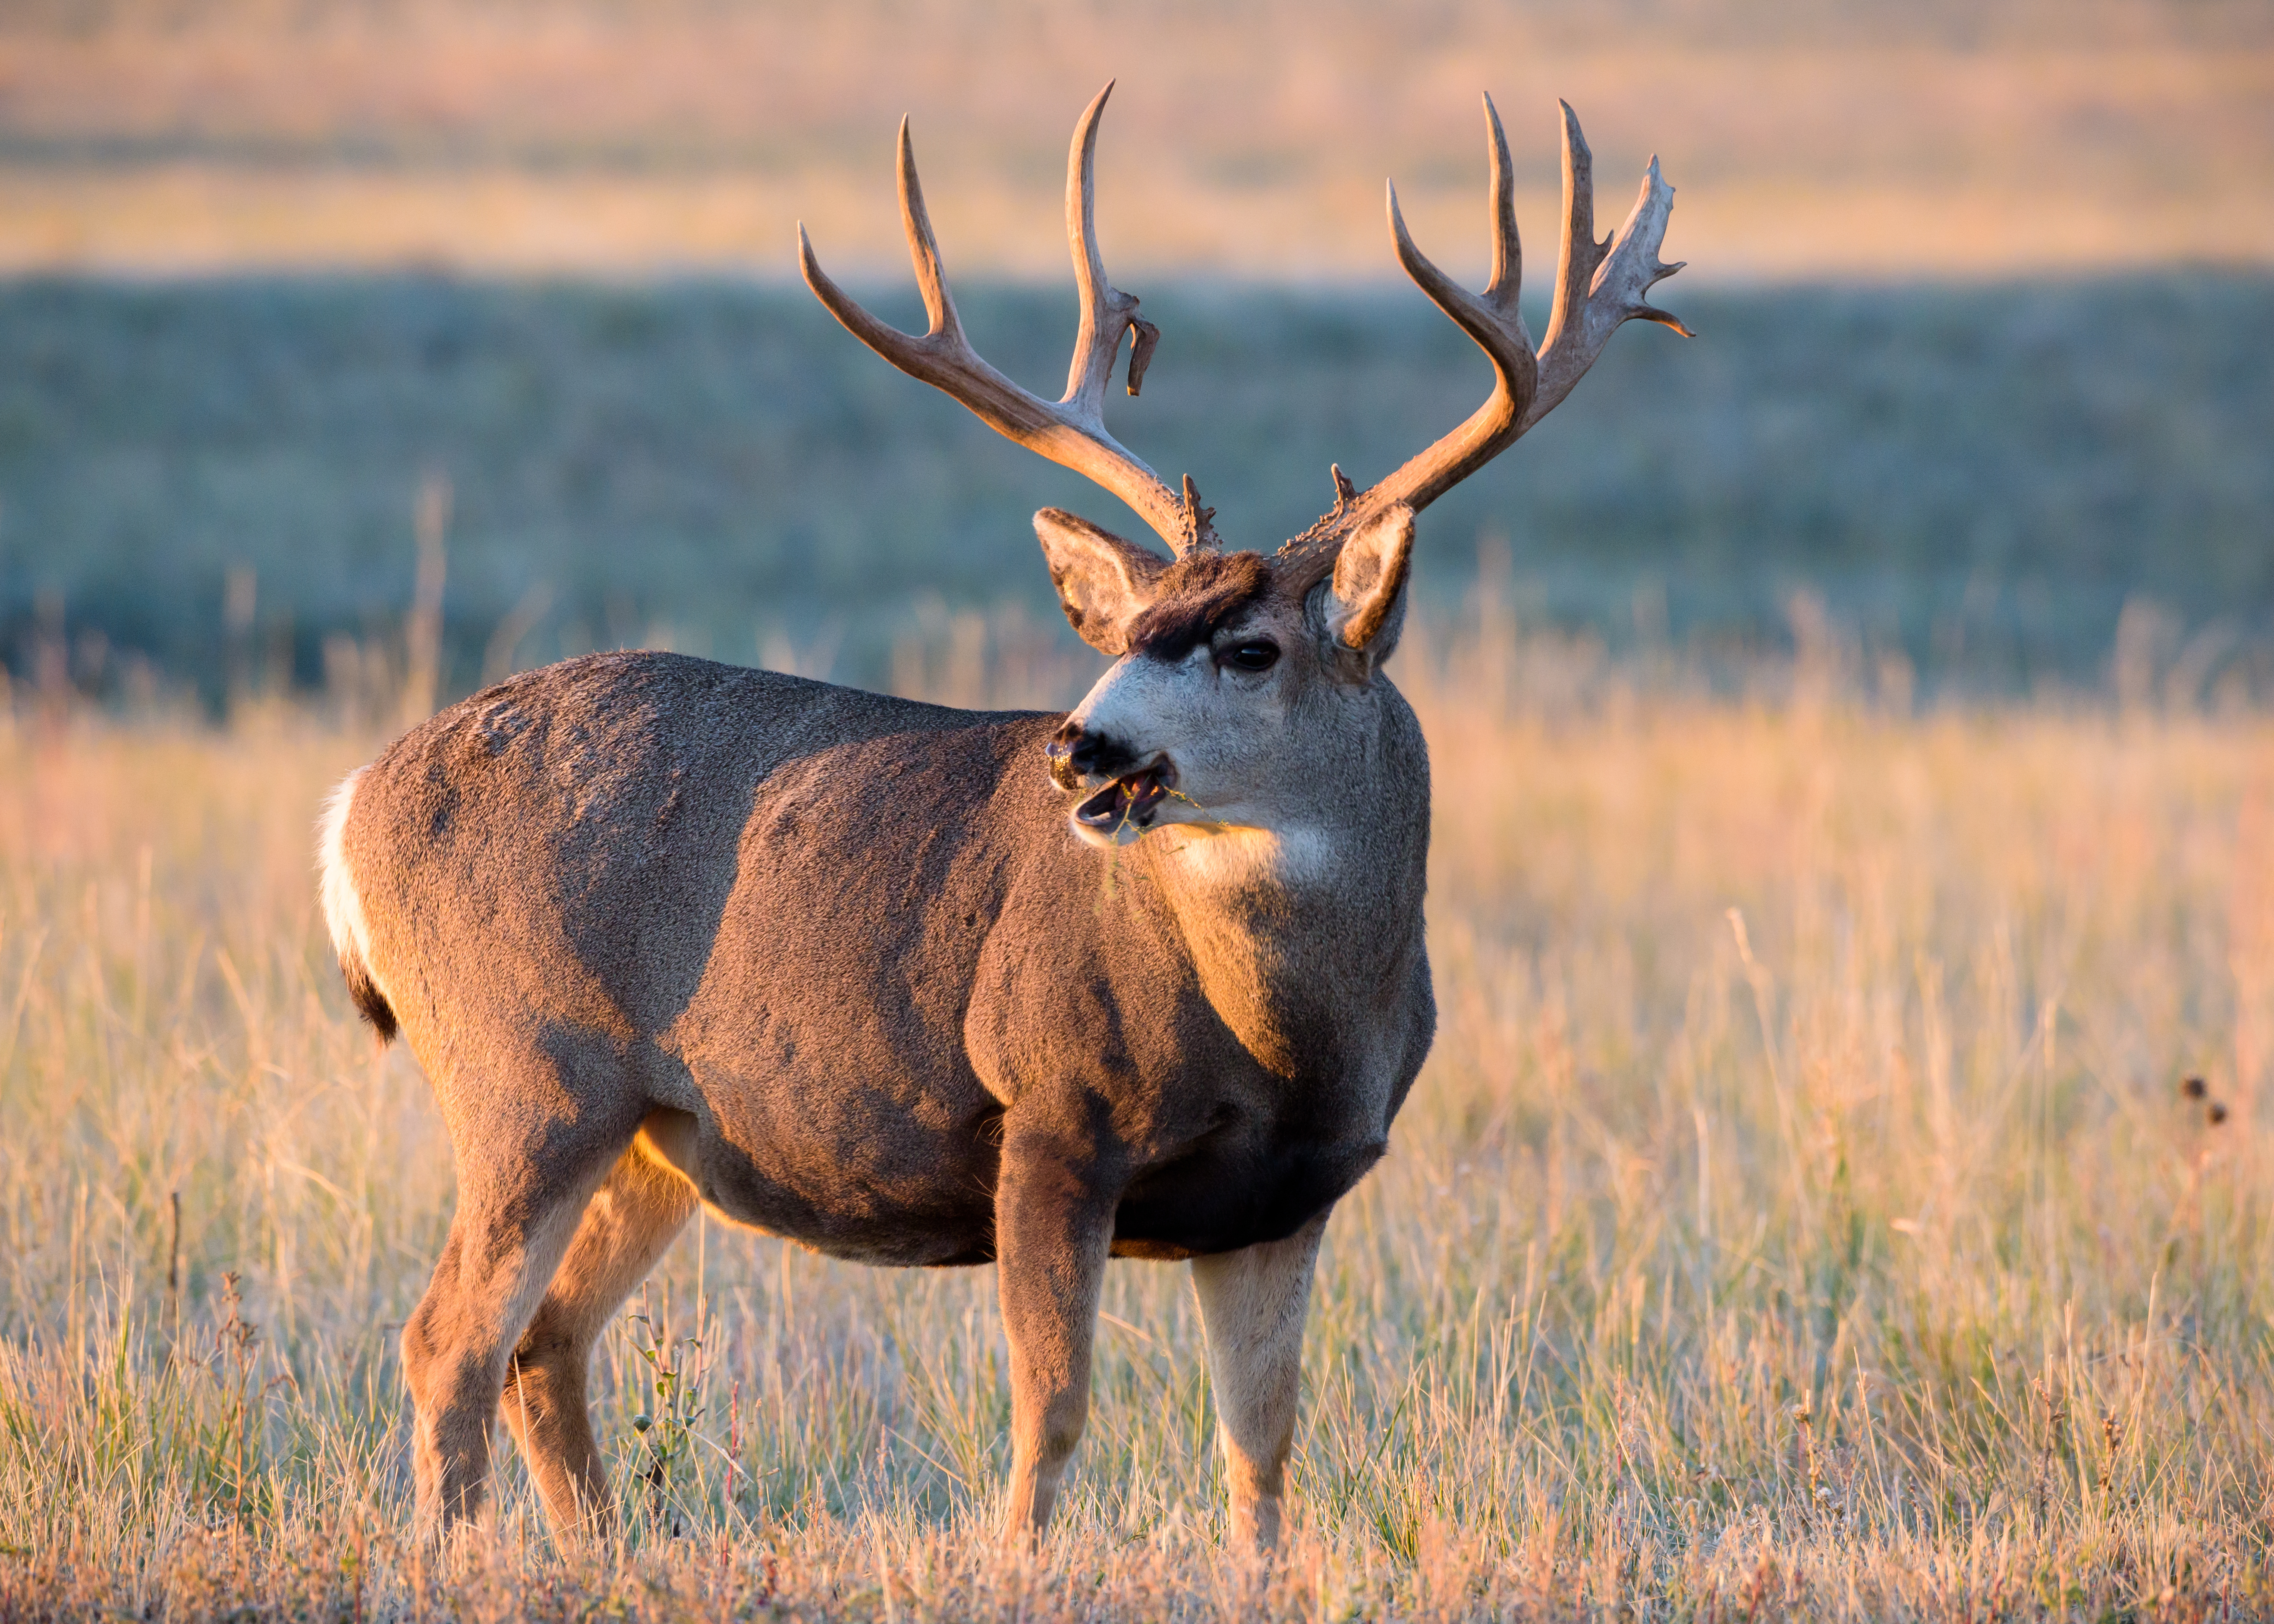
(1257, 656)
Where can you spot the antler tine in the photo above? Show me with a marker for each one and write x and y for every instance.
(1575, 266)
(1106, 312)
(943, 341)
(1498, 328)
(924, 246)
(1600, 285)
(1508, 247)
(1070, 432)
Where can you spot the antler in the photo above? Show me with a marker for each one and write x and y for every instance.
(1070, 431)
(1598, 287)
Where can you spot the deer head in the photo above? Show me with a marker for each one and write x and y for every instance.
(1236, 673)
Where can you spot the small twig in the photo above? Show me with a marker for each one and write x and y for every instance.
(1806, 1418)
(2056, 1413)
(174, 1279)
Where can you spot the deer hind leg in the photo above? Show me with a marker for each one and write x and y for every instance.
(629, 1223)
(518, 1206)
(1252, 1306)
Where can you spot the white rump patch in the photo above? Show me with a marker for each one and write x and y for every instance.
(342, 907)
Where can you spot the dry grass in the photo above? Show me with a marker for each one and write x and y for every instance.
(1808, 137)
(1800, 1216)
(198, 219)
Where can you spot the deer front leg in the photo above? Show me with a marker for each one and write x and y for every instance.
(1252, 1306)
(1053, 1231)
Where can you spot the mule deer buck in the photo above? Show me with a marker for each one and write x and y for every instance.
(925, 986)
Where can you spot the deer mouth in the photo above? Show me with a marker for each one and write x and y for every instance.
(1130, 801)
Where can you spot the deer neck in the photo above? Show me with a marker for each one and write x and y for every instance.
(1301, 932)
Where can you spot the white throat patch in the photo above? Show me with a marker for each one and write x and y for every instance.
(1227, 854)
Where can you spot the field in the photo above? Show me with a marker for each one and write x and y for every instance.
(1802, 1214)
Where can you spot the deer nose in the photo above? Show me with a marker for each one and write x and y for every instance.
(1076, 753)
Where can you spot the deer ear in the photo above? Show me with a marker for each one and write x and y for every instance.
(1103, 581)
(1364, 605)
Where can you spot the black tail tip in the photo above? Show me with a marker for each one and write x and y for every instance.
(370, 1002)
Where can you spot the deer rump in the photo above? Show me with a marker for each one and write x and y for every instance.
(826, 937)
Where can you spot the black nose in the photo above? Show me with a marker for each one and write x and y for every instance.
(1075, 753)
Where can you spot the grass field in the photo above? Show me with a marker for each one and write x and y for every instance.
(1801, 1214)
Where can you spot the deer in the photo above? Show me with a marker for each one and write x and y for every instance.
(921, 987)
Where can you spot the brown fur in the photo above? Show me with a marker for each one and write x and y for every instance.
(1191, 598)
(364, 993)
(1251, 1302)
(1370, 576)
(1103, 581)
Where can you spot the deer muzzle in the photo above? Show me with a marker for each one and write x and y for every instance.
(1129, 801)
(1124, 791)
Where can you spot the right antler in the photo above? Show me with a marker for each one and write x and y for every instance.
(1070, 431)
(1599, 285)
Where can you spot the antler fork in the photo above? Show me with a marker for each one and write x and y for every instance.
(1072, 430)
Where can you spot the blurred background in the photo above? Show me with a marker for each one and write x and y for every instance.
(322, 318)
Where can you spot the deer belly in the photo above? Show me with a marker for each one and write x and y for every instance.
(916, 1198)
(1221, 1199)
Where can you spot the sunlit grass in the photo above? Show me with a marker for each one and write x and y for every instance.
(1801, 1213)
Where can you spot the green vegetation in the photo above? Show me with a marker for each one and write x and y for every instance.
(1979, 479)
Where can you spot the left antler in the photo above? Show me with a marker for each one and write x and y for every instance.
(1070, 431)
